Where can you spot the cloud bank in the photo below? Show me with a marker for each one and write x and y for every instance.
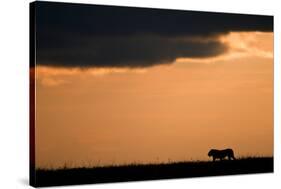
(77, 35)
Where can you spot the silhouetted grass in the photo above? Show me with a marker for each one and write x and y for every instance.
(137, 172)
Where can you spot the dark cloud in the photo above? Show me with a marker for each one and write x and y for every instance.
(128, 51)
(77, 35)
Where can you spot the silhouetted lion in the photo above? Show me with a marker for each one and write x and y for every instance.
(221, 154)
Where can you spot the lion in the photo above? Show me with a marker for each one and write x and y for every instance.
(221, 154)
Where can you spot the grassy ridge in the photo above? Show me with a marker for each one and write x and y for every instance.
(136, 172)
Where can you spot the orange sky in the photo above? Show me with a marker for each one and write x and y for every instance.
(174, 112)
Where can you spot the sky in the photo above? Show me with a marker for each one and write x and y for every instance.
(118, 85)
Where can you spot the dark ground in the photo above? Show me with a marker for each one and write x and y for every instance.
(152, 171)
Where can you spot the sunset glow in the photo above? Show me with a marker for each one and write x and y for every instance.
(176, 111)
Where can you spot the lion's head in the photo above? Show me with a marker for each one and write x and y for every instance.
(211, 152)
